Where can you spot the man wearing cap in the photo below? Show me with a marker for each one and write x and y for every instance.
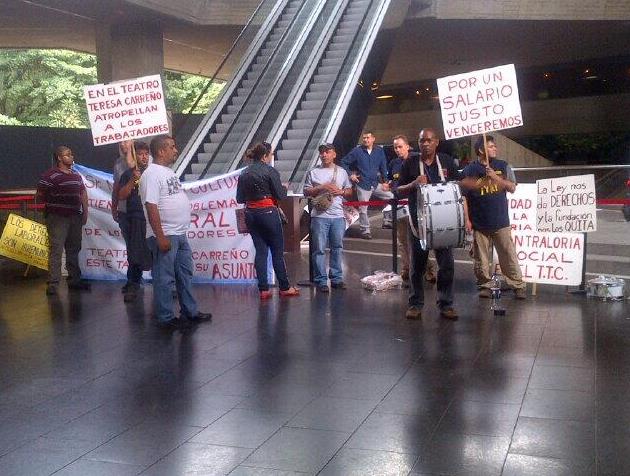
(366, 165)
(328, 184)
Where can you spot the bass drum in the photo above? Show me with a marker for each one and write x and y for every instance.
(441, 220)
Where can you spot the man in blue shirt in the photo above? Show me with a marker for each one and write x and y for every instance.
(367, 167)
(485, 184)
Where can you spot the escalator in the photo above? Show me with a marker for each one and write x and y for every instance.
(291, 89)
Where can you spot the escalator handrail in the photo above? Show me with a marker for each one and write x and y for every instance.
(326, 136)
(217, 69)
(283, 69)
(221, 102)
(297, 94)
(336, 115)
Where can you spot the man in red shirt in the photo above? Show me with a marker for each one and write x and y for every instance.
(66, 208)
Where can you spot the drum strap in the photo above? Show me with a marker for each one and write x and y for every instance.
(439, 165)
(442, 179)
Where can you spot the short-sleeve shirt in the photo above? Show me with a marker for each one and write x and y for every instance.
(61, 192)
(160, 186)
(411, 169)
(488, 206)
(134, 204)
(322, 175)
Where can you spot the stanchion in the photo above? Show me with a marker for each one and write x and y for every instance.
(310, 282)
(581, 290)
(394, 204)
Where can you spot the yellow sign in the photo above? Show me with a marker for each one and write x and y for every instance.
(26, 241)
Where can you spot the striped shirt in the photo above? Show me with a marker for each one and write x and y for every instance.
(61, 192)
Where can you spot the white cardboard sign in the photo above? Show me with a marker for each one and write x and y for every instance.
(549, 258)
(566, 204)
(125, 110)
(479, 101)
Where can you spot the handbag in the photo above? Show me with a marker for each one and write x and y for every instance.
(241, 224)
(323, 201)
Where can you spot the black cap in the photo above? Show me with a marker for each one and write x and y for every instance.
(325, 147)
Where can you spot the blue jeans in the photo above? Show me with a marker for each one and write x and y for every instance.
(446, 271)
(323, 231)
(265, 227)
(174, 266)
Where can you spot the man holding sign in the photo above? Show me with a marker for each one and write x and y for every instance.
(485, 182)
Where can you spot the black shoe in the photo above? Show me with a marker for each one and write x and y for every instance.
(366, 236)
(323, 289)
(340, 285)
(125, 288)
(80, 286)
(172, 325)
(130, 296)
(51, 290)
(200, 317)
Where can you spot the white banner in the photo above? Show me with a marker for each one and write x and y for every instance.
(125, 110)
(479, 101)
(220, 253)
(567, 204)
(550, 258)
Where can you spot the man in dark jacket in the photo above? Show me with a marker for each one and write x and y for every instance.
(435, 169)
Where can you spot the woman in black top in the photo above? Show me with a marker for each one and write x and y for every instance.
(259, 187)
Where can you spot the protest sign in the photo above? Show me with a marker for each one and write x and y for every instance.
(549, 258)
(25, 241)
(220, 253)
(479, 101)
(126, 109)
(566, 204)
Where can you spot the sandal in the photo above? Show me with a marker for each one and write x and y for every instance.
(290, 292)
(265, 295)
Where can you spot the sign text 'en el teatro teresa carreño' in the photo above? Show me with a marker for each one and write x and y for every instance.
(126, 110)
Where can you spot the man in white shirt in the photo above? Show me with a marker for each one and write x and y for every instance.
(331, 182)
(167, 210)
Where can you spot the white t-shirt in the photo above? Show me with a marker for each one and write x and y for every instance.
(159, 185)
(322, 175)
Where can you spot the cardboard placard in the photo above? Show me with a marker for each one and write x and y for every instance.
(548, 258)
(479, 101)
(25, 241)
(567, 204)
(126, 110)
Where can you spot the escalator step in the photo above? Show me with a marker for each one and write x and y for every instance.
(311, 105)
(296, 134)
(318, 95)
(302, 124)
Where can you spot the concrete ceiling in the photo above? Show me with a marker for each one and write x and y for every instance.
(197, 33)
(429, 48)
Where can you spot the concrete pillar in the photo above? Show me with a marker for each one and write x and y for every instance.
(128, 50)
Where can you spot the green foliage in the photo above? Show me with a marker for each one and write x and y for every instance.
(9, 121)
(45, 88)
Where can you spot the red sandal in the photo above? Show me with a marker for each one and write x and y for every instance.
(290, 292)
(265, 295)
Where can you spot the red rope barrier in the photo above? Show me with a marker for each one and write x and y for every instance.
(19, 198)
(613, 201)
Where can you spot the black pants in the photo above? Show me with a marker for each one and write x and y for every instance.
(446, 271)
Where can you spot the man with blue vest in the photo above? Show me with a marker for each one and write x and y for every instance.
(366, 165)
(485, 183)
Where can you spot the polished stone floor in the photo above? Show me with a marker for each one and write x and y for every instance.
(335, 384)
